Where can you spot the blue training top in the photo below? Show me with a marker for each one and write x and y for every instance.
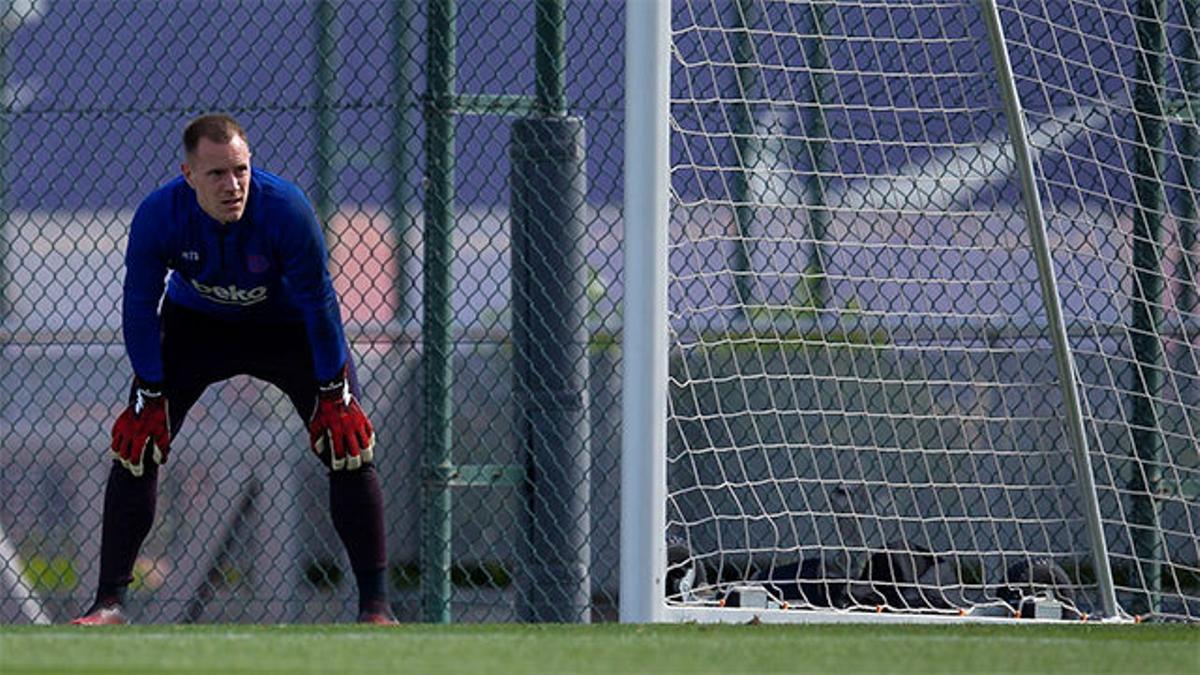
(267, 267)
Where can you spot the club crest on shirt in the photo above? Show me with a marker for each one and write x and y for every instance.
(257, 264)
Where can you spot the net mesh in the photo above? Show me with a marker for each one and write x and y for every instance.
(865, 408)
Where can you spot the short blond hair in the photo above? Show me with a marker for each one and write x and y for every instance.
(216, 127)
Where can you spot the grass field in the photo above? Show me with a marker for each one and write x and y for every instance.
(608, 648)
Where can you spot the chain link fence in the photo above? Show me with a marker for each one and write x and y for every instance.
(335, 96)
(438, 142)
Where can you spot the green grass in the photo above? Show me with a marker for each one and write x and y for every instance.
(607, 648)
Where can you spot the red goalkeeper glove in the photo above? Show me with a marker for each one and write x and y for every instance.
(143, 428)
(340, 427)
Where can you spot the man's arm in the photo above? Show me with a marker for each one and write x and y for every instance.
(143, 429)
(339, 430)
(145, 273)
(307, 281)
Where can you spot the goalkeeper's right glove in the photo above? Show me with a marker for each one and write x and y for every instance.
(143, 428)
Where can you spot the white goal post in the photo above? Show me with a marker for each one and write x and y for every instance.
(910, 325)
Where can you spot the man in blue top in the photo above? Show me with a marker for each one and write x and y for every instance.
(247, 293)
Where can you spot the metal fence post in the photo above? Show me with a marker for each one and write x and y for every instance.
(549, 333)
(438, 355)
(403, 163)
(4, 109)
(1189, 149)
(549, 56)
(818, 155)
(1147, 295)
(551, 364)
(743, 128)
(324, 20)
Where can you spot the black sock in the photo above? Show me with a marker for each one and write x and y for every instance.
(372, 591)
(356, 508)
(108, 595)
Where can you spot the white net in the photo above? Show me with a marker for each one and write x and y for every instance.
(865, 411)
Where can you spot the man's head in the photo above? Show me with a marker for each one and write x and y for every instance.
(217, 165)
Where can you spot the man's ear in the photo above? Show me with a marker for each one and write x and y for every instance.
(187, 174)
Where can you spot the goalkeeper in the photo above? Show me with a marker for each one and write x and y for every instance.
(247, 293)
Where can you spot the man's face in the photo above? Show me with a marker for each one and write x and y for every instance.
(220, 175)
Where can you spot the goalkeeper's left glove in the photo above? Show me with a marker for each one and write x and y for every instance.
(144, 428)
(340, 427)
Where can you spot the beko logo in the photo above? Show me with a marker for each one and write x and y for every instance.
(231, 295)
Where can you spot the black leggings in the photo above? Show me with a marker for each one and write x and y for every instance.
(199, 350)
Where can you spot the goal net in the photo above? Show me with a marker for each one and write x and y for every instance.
(883, 399)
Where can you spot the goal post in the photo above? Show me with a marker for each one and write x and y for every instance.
(644, 354)
(890, 278)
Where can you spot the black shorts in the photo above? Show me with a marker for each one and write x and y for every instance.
(199, 350)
